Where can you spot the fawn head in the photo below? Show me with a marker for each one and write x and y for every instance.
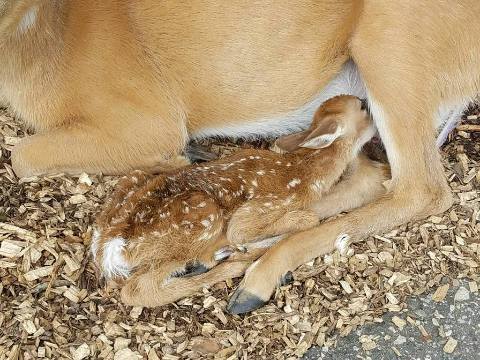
(341, 117)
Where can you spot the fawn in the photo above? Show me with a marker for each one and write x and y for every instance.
(171, 224)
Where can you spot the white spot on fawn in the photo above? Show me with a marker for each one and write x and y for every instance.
(293, 183)
(342, 242)
(114, 263)
(254, 182)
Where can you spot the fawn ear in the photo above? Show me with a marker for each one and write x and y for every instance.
(323, 135)
(289, 143)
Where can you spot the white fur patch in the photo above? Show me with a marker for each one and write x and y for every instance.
(114, 263)
(448, 117)
(347, 82)
(28, 20)
(363, 139)
(251, 268)
(323, 141)
(263, 244)
(342, 242)
(223, 253)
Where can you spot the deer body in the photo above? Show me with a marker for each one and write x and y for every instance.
(192, 206)
(116, 85)
(169, 224)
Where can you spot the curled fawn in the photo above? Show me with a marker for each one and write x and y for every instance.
(181, 223)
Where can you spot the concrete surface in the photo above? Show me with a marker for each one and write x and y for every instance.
(457, 317)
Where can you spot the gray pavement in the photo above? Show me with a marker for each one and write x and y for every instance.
(456, 318)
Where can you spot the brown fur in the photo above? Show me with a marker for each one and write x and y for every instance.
(115, 85)
(176, 220)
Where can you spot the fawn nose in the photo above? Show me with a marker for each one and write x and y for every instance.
(364, 104)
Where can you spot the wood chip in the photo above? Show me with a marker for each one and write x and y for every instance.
(441, 292)
(468, 127)
(78, 199)
(205, 346)
(126, 354)
(346, 286)
(425, 335)
(400, 323)
(52, 295)
(450, 346)
(38, 273)
(82, 352)
(395, 350)
(368, 342)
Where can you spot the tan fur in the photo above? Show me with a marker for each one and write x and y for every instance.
(142, 288)
(115, 85)
(177, 220)
(411, 63)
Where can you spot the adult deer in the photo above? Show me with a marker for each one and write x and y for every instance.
(115, 85)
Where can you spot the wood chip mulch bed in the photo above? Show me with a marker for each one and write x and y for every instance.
(53, 306)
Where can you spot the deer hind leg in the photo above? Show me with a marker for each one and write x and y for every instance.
(156, 286)
(116, 145)
(264, 218)
(404, 113)
(150, 289)
(366, 180)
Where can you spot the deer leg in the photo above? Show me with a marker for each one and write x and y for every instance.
(263, 218)
(365, 181)
(404, 116)
(145, 141)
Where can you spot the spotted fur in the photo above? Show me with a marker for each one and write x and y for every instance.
(166, 222)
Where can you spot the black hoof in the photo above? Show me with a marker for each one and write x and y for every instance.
(197, 153)
(286, 279)
(243, 302)
(193, 269)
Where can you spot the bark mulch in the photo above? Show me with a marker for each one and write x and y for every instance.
(53, 306)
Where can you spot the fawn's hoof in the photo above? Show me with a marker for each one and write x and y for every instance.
(243, 302)
(197, 153)
(193, 269)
